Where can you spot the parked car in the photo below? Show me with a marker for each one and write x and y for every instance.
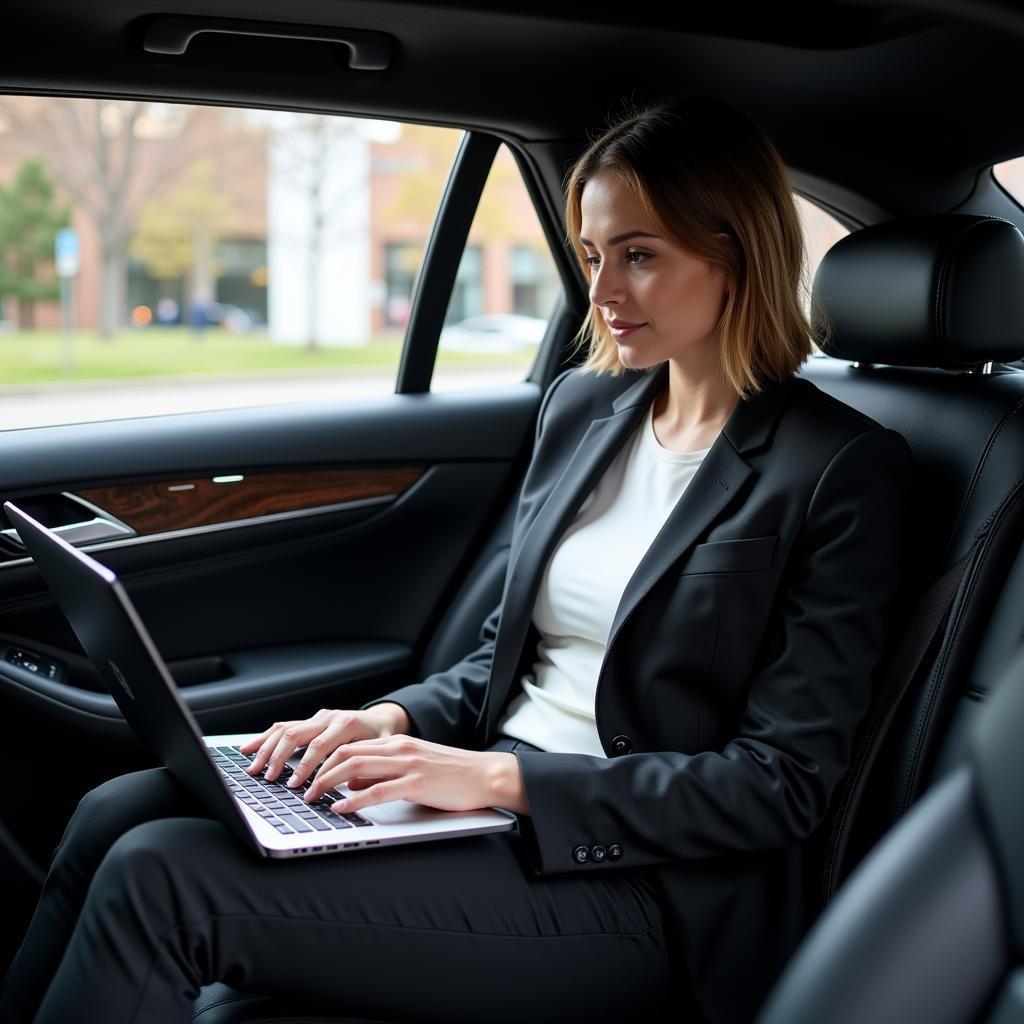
(363, 544)
(493, 332)
(233, 318)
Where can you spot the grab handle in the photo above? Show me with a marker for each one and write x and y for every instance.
(368, 51)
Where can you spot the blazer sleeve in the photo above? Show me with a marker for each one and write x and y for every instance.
(770, 785)
(445, 707)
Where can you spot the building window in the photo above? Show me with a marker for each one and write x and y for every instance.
(401, 264)
(468, 293)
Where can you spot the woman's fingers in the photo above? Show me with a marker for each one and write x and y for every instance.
(294, 735)
(360, 783)
(320, 735)
(269, 741)
(381, 793)
(361, 765)
(320, 748)
(257, 741)
(345, 748)
(289, 740)
(341, 752)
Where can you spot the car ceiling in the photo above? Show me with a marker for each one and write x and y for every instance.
(901, 103)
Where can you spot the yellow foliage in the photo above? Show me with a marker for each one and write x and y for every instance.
(174, 228)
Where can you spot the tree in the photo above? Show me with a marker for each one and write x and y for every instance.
(310, 154)
(29, 221)
(111, 156)
(419, 189)
(176, 232)
(418, 194)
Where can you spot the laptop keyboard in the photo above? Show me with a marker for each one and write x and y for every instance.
(278, 805)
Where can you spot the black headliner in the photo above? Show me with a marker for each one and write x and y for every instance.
(901, 103)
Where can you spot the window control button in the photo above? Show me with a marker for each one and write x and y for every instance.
(34, 663)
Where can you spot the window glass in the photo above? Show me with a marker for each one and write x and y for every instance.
(163, 258)
(505, 290)
(1010, 174)
(821, 231)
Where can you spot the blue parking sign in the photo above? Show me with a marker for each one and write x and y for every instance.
(66, 251)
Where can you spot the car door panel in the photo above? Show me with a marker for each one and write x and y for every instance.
(318, 587)
(151, 507)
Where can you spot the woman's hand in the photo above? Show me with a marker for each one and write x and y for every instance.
(407, 768)
(321, 735)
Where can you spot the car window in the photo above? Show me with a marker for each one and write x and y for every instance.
(821, 231)
(505, 289)
(159, 258)
(1010, 174)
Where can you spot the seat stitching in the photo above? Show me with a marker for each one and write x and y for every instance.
(923, 722)
(936, 678)
(982, 465)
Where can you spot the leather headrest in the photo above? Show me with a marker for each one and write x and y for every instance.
(941, 291)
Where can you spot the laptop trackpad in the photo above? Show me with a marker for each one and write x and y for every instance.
(399, 812)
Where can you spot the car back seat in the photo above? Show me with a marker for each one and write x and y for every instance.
(919, 309)
(926, 311)
(931, 925)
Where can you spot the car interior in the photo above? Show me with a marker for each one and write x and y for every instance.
(890, 116)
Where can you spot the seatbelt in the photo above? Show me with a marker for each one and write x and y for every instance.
(920, 636)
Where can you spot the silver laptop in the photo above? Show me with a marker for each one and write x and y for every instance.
(267, 816)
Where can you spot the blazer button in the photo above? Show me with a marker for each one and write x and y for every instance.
(622, 745)
(581, 855)
(614, 852)
(598, 854)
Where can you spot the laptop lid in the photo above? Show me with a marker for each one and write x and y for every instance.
(116, 640)
(119, 645)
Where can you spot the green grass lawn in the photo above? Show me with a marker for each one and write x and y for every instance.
(28, 357)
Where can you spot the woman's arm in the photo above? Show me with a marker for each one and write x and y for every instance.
(407, 768)
(445, 707)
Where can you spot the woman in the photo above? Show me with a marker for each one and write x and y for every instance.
(704, 555)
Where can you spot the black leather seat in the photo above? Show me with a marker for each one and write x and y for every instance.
(931, 925)
(922, 310)
(928, 310)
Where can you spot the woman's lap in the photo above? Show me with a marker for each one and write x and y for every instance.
(428, 931)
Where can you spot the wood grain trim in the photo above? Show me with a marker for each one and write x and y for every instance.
(157, 506)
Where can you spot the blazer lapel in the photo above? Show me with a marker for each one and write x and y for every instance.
(718, 479)
(597, 448)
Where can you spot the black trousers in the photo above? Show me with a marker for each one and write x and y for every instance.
(148, 899)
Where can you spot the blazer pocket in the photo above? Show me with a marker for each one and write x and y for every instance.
(748, 554)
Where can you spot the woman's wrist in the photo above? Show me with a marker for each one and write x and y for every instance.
(506, 783)
(396, 720)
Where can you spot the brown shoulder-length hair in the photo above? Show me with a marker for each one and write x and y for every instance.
(701, 168)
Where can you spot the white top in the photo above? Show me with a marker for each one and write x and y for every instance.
(582, 587)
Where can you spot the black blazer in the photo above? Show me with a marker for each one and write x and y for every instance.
(739, 663)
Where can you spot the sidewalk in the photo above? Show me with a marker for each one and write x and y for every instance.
(34, 405)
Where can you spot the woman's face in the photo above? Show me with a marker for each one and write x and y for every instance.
(640, 279)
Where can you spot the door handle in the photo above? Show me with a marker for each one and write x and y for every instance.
(81, 533)
(52, 512)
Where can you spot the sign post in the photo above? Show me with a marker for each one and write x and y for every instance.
(66, 251)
